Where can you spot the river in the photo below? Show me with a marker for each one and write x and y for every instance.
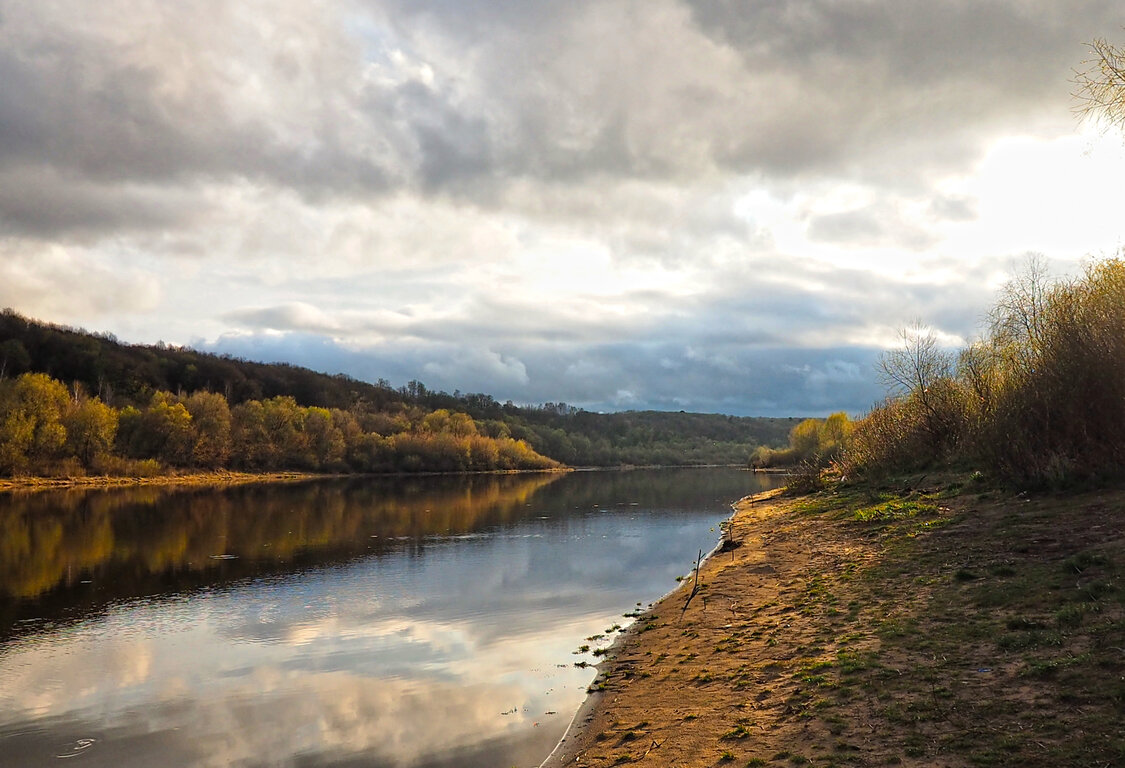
(424, 622)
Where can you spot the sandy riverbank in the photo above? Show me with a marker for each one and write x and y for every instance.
(224, 478)
(910, 628)
(194, 478)
(663, 701)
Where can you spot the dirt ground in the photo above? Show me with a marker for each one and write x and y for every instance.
(935, 626)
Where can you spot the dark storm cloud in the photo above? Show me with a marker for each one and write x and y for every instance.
(37, 202)
(521, 90)
(935, 76)
(71, 103)
(878, 90)
(206, 93)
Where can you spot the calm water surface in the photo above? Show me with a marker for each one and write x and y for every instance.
(429, 622)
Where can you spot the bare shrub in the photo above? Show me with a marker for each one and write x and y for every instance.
(1041, 398)
(807, 477)
(1059, 411)
(926, 417)
(891, 437)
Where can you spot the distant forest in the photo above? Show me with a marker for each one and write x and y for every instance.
(111, 407)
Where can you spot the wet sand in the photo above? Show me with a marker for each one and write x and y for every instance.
(685, 686)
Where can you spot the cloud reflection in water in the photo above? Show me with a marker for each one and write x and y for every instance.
(449, 653)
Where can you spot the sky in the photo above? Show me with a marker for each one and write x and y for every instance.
(701, 205)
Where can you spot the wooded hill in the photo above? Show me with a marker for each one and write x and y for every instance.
(126, 375)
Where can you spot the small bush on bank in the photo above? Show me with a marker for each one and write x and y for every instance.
(807, 477)
(815, 441)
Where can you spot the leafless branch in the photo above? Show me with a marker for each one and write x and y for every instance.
(1101, 85)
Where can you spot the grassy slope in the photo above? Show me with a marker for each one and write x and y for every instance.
(945, 625)
(998, 628)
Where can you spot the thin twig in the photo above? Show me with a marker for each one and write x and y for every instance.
(695, 586)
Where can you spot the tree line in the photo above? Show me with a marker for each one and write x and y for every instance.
(124, 374)
(47, 427)
(1038, 400)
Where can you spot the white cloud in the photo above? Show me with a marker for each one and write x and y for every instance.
(57, 281)
(475, 365)
(294, 316)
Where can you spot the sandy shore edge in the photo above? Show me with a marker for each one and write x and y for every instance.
(227, 477)
(93, 482)
(580, 735)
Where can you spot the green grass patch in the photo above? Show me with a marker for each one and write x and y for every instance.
(738, 732)
(1071, 616)
(1084, 560)
(894, 509)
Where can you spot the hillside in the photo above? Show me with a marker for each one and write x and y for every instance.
(122, 375)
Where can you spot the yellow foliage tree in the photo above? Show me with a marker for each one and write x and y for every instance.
(91, 426)
(31, 412)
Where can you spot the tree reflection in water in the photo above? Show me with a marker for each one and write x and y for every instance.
(426, 622)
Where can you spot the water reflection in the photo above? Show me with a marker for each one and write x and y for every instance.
(423, 625)
(92, 547)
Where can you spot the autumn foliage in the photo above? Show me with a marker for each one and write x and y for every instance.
(812, 441)
(46, 428)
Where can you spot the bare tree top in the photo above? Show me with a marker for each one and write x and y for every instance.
(1101, 85)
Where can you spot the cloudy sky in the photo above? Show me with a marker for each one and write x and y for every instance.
(709, 205)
